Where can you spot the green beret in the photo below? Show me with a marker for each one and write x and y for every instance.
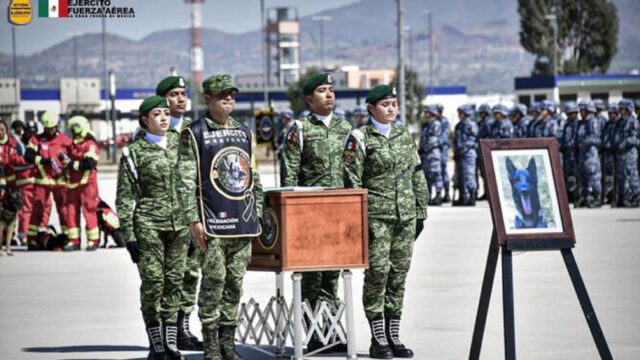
(170, 83)
(313, 82)
(217, 83)
(151, 103)
(380, 92)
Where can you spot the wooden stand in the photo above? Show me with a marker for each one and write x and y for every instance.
(507, 295)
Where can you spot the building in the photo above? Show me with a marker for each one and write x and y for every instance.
(564, 88)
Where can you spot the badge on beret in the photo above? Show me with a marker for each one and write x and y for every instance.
(393, 91)
(329, 79)
(181, 82)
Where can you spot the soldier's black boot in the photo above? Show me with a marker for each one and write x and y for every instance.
(379, 348)
(156, 343)
(211, 343)
(436, 201)
(171, 342)
(446, 198)
(186, 339)
(393, 337)
(226, 336)
(472, 199)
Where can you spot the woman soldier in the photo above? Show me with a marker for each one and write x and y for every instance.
(382, 157)
(152, 224)
(82, 184)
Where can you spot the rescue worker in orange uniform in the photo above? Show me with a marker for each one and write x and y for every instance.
(25, 180)
(82, 184)
(45, 151)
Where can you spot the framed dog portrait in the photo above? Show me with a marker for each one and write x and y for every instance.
(527, 194)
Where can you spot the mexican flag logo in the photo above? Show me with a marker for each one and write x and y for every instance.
(53, 8)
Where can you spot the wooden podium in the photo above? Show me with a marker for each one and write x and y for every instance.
(313, 230)
(308, 229)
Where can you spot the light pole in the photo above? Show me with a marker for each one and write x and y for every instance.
(105, 79)
(265, 57)
(401, 80)
(431, 82)
(321, 19)
(15, 71)
(554, 25)
(75, 70)
(112, 97)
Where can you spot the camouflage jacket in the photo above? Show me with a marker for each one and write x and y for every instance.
(146, 195)
(390, 169)
(313, 153)
(187, 182)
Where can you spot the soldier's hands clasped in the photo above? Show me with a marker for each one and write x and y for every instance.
(197, 232)
(134, 251)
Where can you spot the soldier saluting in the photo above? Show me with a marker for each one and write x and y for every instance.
(221, 199)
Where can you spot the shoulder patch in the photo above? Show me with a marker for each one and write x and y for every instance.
(355, 140)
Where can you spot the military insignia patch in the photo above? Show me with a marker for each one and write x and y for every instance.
(181, 82)
(231, 172)
(348, 156)
(351, 145)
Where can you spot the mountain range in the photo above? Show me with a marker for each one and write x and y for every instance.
(476, 44)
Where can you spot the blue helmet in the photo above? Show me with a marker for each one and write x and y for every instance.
(548, 105)
(466, 109)
(360, 110)
(518, 109)
(536, 107)
(627, 104)
(439, 107)
(484, 108)
(500, 108)
(339, 112)
(613, 108)
(587, 105)
(287, 113)
(305, 113)
(431, 108)
(570, 107)
(599, 104)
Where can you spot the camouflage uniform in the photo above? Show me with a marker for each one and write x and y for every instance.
(590, 176)
(431, 156)
(313, 157)
(608, 158)
(444, 150)
(390, 169)
(465, 143)
(149, 214)
(521, 124)
(225, 261)
(502, 129)
(569, 149)
(625, 144)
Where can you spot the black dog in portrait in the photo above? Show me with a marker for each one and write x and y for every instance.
(524, 187)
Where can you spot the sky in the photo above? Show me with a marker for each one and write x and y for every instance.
(234, 16)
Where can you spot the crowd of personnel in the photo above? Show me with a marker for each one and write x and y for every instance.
(598, 146)
(37, 166)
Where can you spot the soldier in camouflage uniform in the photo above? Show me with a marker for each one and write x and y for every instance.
(465, 143)
(589, 140)
(313, 157)
(607, 154)
(569, 150)
(520, 120)
(625, 145)
(535, 114)
(382, 158)
(430, 155)
(221, 200)
(174, 89)
(502, 127)
(151, 224)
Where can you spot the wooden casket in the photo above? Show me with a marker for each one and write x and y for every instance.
(313, 230)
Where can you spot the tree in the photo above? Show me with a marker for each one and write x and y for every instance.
(294, 92)
(414, 93)
(587, 34)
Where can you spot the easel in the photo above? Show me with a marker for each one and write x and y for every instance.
(507, 295)
(503, 243)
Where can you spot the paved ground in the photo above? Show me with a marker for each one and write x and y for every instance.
(85, 305)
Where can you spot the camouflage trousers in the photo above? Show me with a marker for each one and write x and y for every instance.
(466, 172)
(390, 250)
(627, 179)
(161, 267)
(590, 176)
(445, 173)
(223, 267)
(190, 283)
(320, 286)
(432, 167)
